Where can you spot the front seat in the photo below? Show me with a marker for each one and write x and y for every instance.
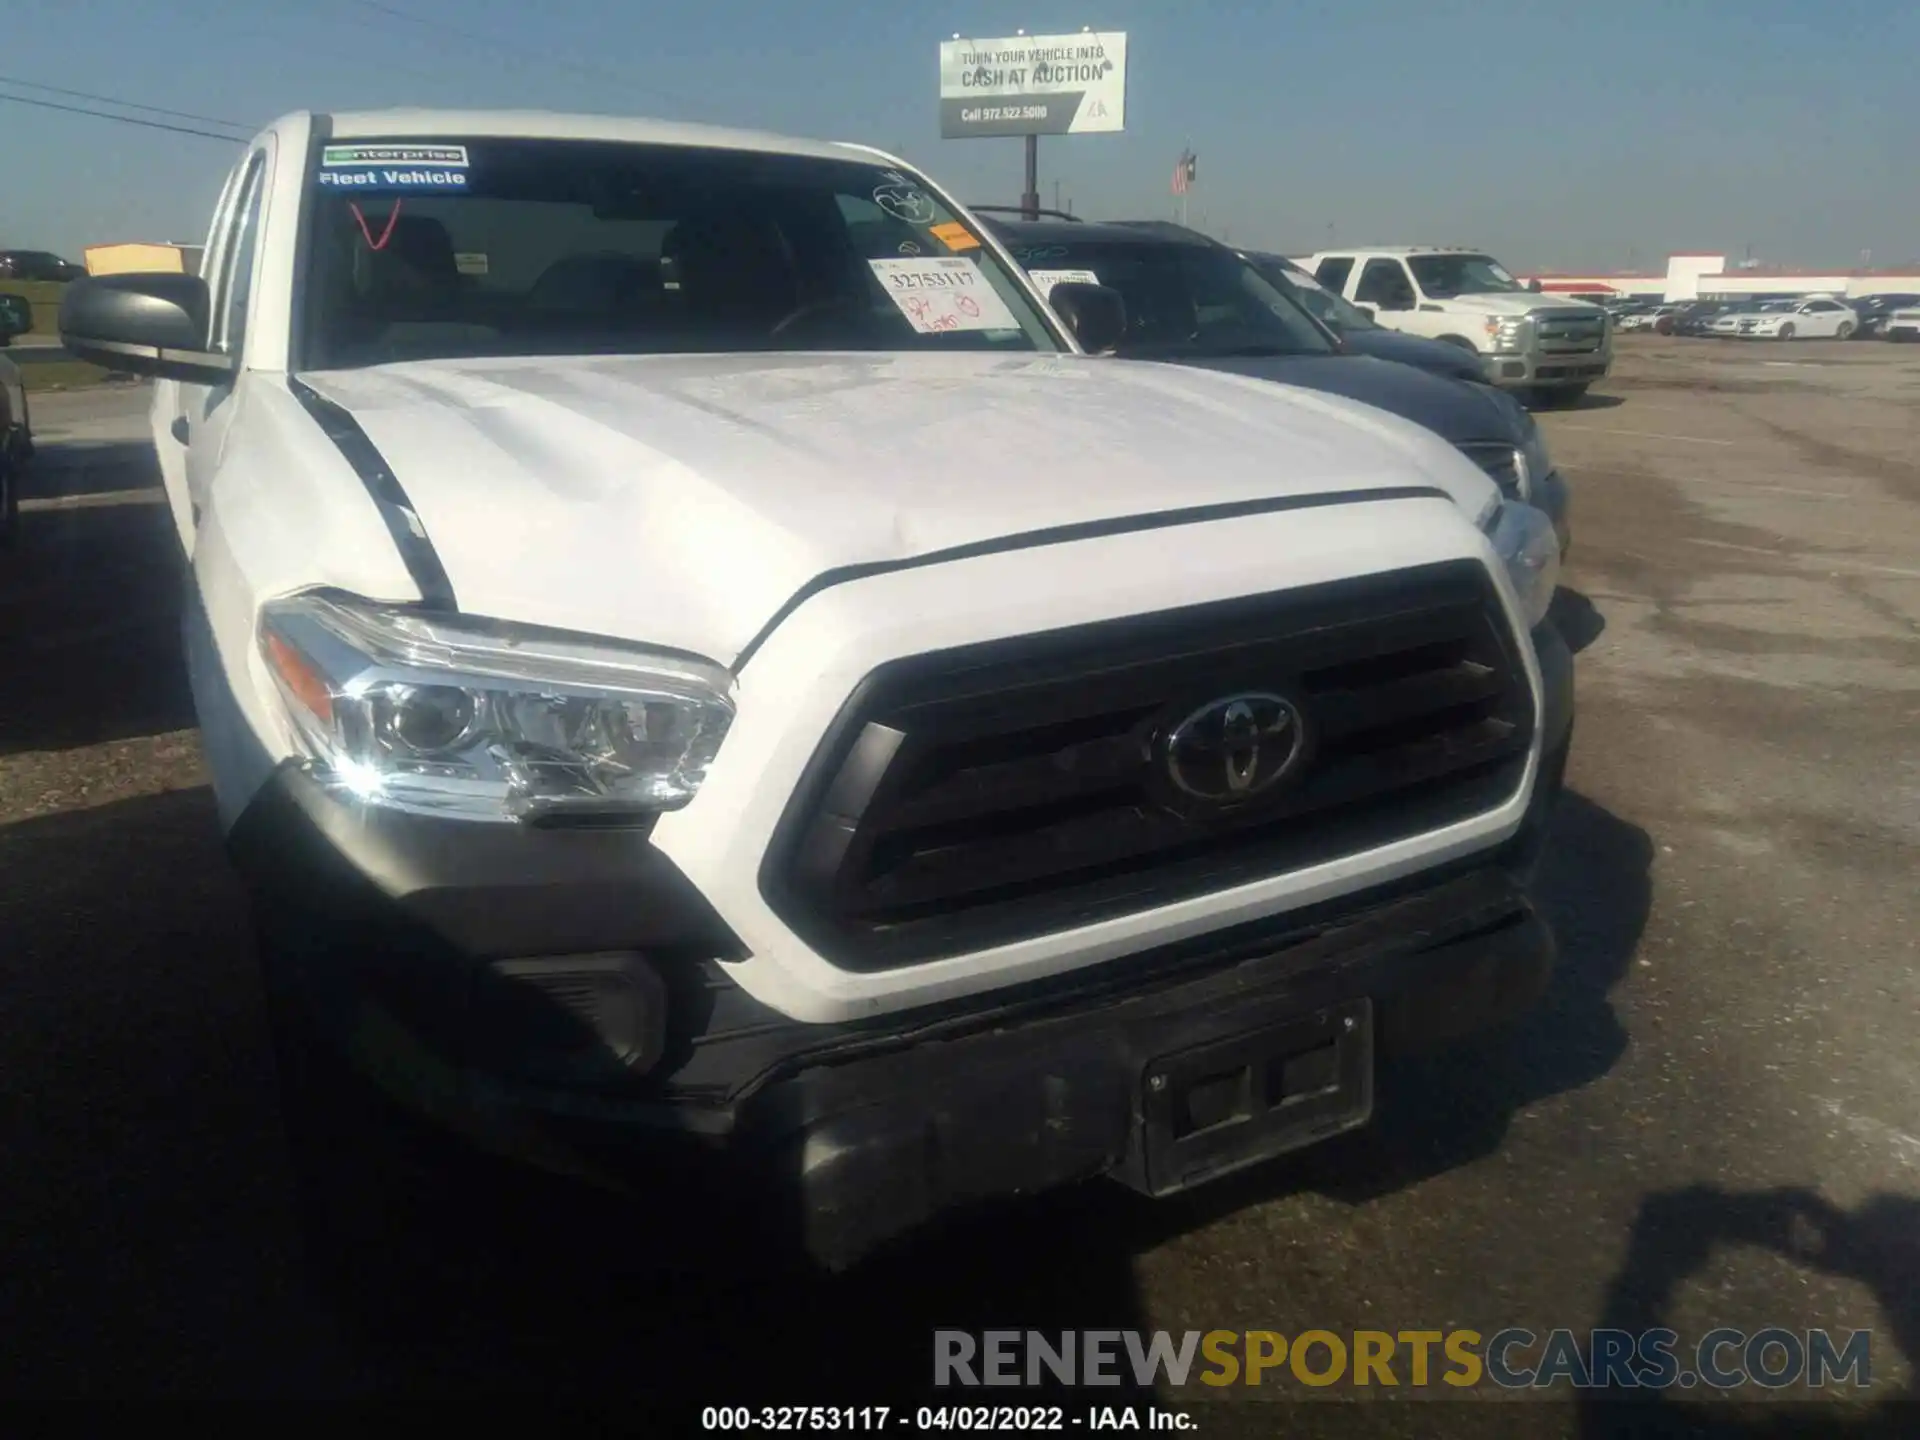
(605, 285)
(415, 294)
(735, 273)
(414, 271)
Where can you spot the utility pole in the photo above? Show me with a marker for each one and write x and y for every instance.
(1030, 200)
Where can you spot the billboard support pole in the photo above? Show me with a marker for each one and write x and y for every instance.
(1030, 198)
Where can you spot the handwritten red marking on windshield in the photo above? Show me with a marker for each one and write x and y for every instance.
(385, 235)
(966, 305)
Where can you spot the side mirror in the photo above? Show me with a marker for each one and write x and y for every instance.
(1095, 313)
(144, 324)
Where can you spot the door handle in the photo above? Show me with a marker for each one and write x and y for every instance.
(180, 431)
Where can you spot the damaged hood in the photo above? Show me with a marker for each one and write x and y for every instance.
(682, 500)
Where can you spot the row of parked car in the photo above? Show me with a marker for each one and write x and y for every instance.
(1805, 317)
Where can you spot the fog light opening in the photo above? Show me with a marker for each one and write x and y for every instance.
(576, 1017)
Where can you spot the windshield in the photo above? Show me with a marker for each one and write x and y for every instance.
(1444, 276)
(1181, 299)
(1333, 311)
(552, 247)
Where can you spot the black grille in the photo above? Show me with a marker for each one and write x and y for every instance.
(977, 796)
(1572, 334)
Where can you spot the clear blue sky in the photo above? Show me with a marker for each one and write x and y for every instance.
(1559, 135)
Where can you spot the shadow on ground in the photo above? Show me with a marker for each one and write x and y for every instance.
(89, 607)
(1677, 1232)
(145, 1202)
(1588, 401)
(89, 467)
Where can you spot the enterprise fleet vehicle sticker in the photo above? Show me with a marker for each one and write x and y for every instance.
(1045, 280)
(939, 294)
(394, 177)
(393, 167)
(444, 156)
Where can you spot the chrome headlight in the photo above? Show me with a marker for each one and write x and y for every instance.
(1529, 551)
(452, 716)
(1508, 333)
(1533, 461)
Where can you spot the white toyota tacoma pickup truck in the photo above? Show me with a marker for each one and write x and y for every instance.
(1549, 346)
(711, 685)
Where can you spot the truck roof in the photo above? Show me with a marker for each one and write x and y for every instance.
(405, 124)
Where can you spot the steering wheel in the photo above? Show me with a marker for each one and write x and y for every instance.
(815, 310)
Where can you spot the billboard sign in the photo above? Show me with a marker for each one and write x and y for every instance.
(1034, 85)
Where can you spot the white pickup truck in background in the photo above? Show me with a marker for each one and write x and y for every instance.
(1550, 347)
(711, 685)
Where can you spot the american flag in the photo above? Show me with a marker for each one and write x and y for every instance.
(1183, 172)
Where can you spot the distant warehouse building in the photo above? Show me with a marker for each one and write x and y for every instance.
(1702, 276)
(142, 257)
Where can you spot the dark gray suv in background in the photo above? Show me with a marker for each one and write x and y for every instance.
(1193, 301)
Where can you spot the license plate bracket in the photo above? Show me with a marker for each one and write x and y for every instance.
(1232, 1103)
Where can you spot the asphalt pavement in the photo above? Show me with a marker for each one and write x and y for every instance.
(36, 350)
(1712, 1120)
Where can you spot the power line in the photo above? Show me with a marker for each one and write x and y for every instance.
(122, 104)
(123, 119)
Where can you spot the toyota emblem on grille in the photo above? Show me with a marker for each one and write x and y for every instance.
(1235, 748)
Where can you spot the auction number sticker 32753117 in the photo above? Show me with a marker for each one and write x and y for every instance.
(938, 294)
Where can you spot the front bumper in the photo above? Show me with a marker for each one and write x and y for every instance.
(387, 930)
(1534, 370)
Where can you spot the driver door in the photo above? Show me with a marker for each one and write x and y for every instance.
(1386, 291)
(1823, 319)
